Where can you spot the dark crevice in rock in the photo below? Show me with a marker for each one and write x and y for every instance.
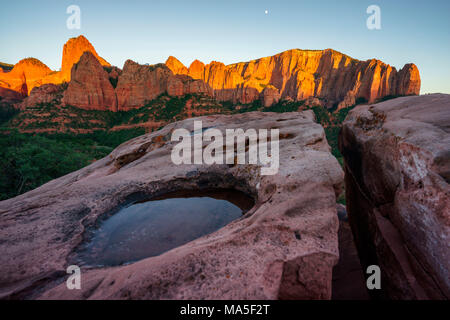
(348, 276)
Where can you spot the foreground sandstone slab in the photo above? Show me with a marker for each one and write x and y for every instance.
(284, 247)
(397, 164)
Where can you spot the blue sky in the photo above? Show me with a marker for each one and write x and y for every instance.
(232, 31)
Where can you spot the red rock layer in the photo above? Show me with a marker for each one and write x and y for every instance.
(139, 84)
(90, 87)
(10, 96)
(332, 78)
(300, 74)
(30, 72)
(176, 66)
(72, 52)
(24, 76)
(43, 94)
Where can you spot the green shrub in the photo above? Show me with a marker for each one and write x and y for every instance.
(28, 161)
(7, 112)
(285, 106)
(113, 82)
(322, 115)
(361, 100)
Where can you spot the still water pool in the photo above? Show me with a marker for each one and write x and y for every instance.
(150, 228)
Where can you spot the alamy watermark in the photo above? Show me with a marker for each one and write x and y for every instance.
(374, 20)
(74, 20)
(374, 280)
(74, 280)
(214, 153)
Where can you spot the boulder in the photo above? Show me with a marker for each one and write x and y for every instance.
(408, 82)
(283, 248)
(397, 165)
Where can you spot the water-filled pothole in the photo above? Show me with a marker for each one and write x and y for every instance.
(145, 229)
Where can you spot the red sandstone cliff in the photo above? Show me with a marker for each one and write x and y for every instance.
(24, 76)
(326, 76)
(138, 84)
(176, 66)
(90, 87)
(297, 74)
(29, 73)
(72, 52)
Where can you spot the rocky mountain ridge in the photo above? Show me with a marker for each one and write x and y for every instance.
(320, 77)
(30, 72)
(334, 78)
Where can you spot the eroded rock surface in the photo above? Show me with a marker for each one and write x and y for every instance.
(139, 84)
(10, 96)
(72, 52)
(397, 164)
(284, 247)
(25, 75)
(332, 78)
(30, 73)
(46, 93)
(90, 87)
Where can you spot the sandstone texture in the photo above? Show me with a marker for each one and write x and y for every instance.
(10, 96)
(269, 96)
(25, 75)
(90, 87)
(397, 164)
(97, 88)
(46, 93)
(30, 72)
(72, 52)
(283, 248)
(140, 83)
(176, 66)
(331, 76)
(179, 85)
(325, 77)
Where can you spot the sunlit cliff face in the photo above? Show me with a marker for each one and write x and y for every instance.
(300, 74)
(30, 72)
(335, 79)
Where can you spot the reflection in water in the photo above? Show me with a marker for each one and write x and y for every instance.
(151, 228)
